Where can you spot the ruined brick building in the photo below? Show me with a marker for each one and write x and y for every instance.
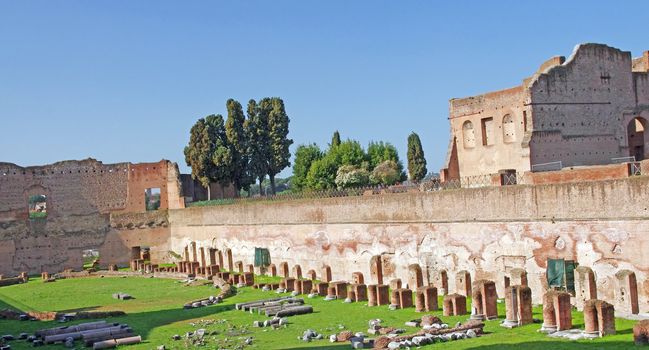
(586, 110)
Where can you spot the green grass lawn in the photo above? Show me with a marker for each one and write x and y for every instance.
(156, 313)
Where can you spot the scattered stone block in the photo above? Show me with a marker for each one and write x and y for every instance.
(382, 294)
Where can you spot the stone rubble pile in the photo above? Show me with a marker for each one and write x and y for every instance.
(203, 302)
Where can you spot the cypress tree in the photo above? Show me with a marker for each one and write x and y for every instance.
(335, 140)
(279, 154)
(416, 161)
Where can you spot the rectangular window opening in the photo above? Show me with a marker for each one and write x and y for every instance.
(152, 198)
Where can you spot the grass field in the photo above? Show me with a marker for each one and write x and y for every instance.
(156, 313)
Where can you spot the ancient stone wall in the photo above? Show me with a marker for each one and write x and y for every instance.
(491, 233)
(80, 197)
(578, 111)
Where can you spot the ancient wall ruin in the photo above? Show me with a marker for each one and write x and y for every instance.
(589, 109)
(493, 233)
(81, 197)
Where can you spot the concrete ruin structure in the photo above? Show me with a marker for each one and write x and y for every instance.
(588, 109)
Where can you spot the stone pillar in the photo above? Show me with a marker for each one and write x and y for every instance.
(420, 304)
(549, 318)
(454, 305)
(382, 294)
(326, 274)
(192, 249)
(283, 269)
(248, 278)
(518, 306)
(297, 271)
(211, 254)
(311, 275)
(307, 286)
(186, 256)
(203, 260)
(289, 283)
(357, 278)
(405, 298)
(394, 297)
(416, 277)
(341, 289)
(590, 317)
(371, 295)
(430, 298)
(485, 300)
(585, 288)
(606, 318)
(360, 292)
(443, 282)
(376, 269)
(219, 255)
(228, 254)
(463, 283)
(238, 266)
(562, 310)
(297, 286)
(599, 317)
(322, 288)
(251, 268)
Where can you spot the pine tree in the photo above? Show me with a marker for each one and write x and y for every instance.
(416, 161)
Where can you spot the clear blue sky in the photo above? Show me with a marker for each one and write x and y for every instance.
(125, 80)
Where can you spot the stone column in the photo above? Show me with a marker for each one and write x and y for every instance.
(311, 275)
(405, 298)
(590, 317)
(272, 270)
(283, 269)
(212, 257)
(382, 294)
(420, 303)
(297, 271)
(194, 256)
(606, 318)
(562, 311)
(371, 295)
(430, 298)
(307, 286)
(376, 269)
(297, 286)
(360, 291)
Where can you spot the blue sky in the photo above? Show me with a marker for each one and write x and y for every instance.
(125, 80)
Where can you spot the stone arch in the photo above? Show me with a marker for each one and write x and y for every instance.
(311, 275)
(326, 273)
(626, 292)
(357, 278)
(297, 271)
(283, 269)
(509, 129)
(272, 270)
(636, 138)
(468, 134)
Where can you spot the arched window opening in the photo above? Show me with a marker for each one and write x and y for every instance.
(636, 137)
(468, 134)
